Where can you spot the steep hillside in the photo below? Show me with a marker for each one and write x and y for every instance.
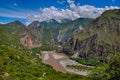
(15, 27)
(19, 63)
(32, 36)
(100, 40)
(63, 31)
(37, 31)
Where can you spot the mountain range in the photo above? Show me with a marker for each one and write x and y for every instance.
(87, 41)
(100, 40)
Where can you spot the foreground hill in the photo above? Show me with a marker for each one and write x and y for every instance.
(19, 63)
(100, 40)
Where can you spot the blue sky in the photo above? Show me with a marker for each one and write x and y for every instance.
(41, 10)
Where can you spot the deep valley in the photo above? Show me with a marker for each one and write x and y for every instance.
(80, 49)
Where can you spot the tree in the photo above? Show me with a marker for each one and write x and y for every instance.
(114, 68)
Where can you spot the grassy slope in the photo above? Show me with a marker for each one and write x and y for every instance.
(16, 63)
(14, 27)
(71, 26)
(46, 36)
(104, 30)
(107, 31)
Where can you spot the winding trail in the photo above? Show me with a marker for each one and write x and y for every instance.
(60, 61)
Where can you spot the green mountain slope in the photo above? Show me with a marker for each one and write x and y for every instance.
(100, 40)
(40, 33)
(19, 63)
(15, 27)
(63, 31)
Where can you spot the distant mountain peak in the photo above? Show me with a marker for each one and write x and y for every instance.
(16, 22)
(52, 21)
(35, 24)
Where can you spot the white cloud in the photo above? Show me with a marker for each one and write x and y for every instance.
(71, 3)
(44, 14)
(73, 12)
(61, 2)
(15, 4)
(113, 0)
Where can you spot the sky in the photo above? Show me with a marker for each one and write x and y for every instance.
(27, 11)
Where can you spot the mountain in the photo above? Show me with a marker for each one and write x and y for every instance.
(10, 33)
(20, 63)
(39, 32)
(100, 40)
(64, 30)
(15, 27)
(32, 36)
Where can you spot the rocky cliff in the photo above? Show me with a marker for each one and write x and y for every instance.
(36, 30)
(64, 30)
(29, 42)
(100, 40)
(31, 36)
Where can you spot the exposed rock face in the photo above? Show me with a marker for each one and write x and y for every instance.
(100, 40)
(30, 42)
(64, 30)
(37, 31)
(61, 35)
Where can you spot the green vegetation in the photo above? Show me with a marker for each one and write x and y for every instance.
(15, 65)
(81, 68)
(15, 27)
(67, 27)
(89, 62)
(19, 63)
(99, 73)
(46, 36)
(110, 71)
(48, 47)
(114, 69)
(99, 41)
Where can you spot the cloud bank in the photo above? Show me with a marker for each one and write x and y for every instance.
(73, 12)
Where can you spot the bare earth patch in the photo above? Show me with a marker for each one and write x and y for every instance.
(56, 56)
(46, 55)
(60, 61)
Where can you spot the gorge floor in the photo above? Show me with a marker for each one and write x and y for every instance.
(59, 62)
